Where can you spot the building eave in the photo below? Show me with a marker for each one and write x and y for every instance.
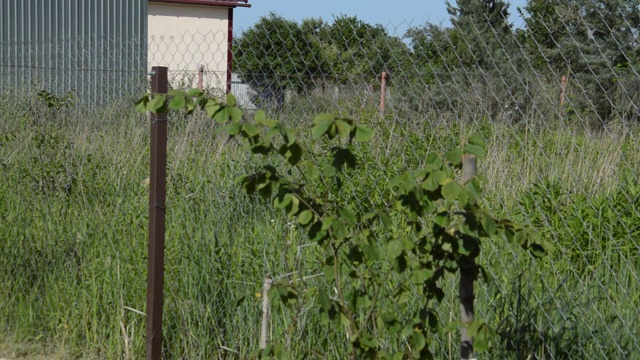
(218, 3)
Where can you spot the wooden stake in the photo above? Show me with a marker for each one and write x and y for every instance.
(383, 91)
(563, 89)
(266, 312)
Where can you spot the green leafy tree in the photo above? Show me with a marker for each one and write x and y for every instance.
(545, 27)
(359, 50)
(569, 33)
(276, 55)
(484, 31)
(593, 41)
(435, 63)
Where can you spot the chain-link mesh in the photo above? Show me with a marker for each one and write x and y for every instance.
(557, 103)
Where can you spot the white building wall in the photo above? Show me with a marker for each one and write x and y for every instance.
(182, 37)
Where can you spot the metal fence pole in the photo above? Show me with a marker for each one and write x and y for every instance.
(383, 91)
(201, 77)
(157, 195)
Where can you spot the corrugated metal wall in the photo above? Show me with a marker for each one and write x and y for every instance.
(95, 48)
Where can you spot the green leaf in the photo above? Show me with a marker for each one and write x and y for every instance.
(433, 162)
(483, 336)
(363, 133)
(289, 137)
(417, 342)
(489, 225)
(372, 252)
(287, 294)
(394, 248)
(250, 130)
(402, 295)
(157, 104)
(231, 100)
(442, 219)
(344, 128)
(310, 169)
(430, 184)
(451, 190)
(420, 276)
(340, 230)
(194, 92)
(231, 129)
(141, 104)
(476, 139)
(440, 177)
(305, 217)
(292, 153)
(454, 156)
(294, 206)
(176, 93)
(178, 102)
(235, 114)
(476, 150)
(222, 114)
(474, 189)
(329, 171)
(474, 326)
(367, 341)
(347, 215)
(190, 105)
(328, 311)
(249, 184)
(260, 118)
(322, 122)
(323, 117)
(282, 200)
(212, 108)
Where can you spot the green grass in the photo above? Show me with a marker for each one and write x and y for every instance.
(73, 232)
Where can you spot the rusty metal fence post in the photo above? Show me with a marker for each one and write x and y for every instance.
(201, 77)
(383, 91)
(157, 195)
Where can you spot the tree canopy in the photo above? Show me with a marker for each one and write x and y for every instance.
(277, 54)
(596, 42)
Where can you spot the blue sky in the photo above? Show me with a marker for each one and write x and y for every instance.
(396, 16)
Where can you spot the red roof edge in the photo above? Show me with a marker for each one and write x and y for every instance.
(223, 3)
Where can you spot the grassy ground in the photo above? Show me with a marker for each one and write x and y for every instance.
(73, 228)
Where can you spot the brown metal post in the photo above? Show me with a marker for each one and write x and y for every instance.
(467, 276)
(383, 91)
(229, 49)
(157, 195)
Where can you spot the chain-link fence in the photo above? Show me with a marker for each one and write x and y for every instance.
(557, 103)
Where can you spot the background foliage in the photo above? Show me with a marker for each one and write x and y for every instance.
(73, 191)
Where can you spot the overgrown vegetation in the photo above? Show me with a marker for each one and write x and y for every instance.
(74, 250)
